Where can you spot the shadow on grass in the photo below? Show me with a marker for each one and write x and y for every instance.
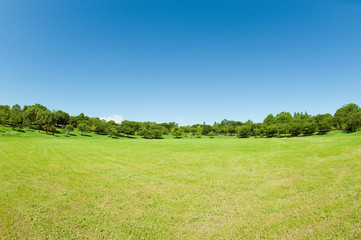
(86, 135)
(101, 134)
(20, 130)
(117, 136)
(125, 136)
(152, 138)
(284, 136)
(321, 133)
(349, 131)
(130, 137)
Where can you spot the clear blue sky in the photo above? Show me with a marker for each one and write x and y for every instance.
(184, 61)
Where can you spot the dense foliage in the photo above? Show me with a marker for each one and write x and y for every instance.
(347, 118)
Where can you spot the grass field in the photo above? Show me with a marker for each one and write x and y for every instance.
(222, 188)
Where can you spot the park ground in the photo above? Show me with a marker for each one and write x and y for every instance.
(96, 187)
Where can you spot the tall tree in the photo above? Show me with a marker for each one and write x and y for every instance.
(353, 122)
(342, 114)
(4, 114)
(61, 118)
(270, 119)
(15, 118)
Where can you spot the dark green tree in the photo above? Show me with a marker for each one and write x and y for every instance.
(283, 128)
(244, 131)
(353, 121)
(270, 119)
(15, 118)
(295, 128)
(61, 118)
(323, 122)
(309, 127)
(342, 114)
(271, 130)
(4, 114)
(283, 118)
(112, 129)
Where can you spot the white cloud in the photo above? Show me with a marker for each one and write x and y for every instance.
(115, 118)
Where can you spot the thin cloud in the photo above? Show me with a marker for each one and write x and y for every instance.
(115, 118)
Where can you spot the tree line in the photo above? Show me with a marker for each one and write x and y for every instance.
(38, 117)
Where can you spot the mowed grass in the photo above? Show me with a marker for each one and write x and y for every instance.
(220, 188)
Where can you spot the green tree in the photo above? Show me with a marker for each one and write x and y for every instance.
(270, 119)
(323, 122)
(169, 126)
(75, 120)
(129, 127)
(93, 128)
(283, 128)
(17, 107)
(61, 118)
(283, 118)
(296, 128)
(112, 128)
(309, 128)
(4, 114)
(225, 129)
(342, 114)
(152, 130)
(215, 128)
(177, 132)
(44, 117)
(52, 129)
(99, 126)
(231, 130)
(68, 128)
(257, 131)
(206, 129)
(271, 130)
(39, 120)
(199, 131)
(15, 118)
(354, 121)
(211, 134)
(33, 115)
(244, 131)
(83, 127)
(145, 132)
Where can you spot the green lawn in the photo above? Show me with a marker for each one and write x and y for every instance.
(222, 188)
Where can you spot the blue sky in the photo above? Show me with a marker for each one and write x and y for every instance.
(184, 61)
